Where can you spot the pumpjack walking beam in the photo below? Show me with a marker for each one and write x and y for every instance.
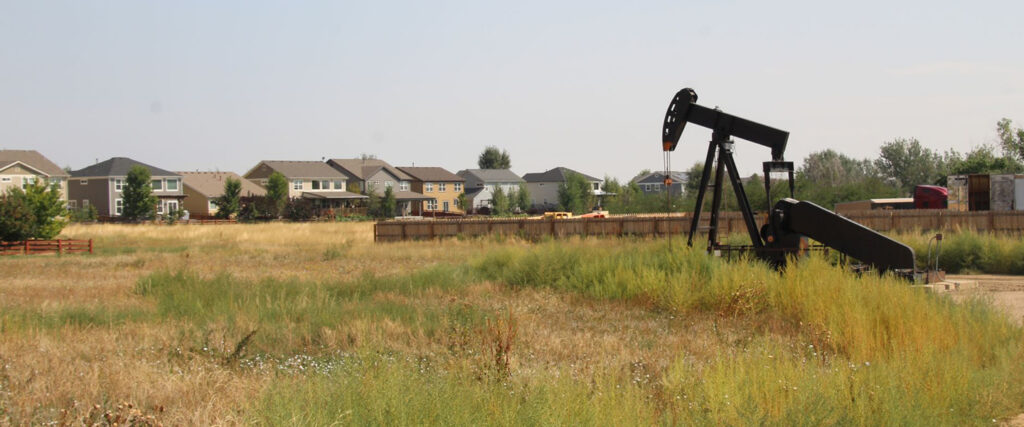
(724, 126)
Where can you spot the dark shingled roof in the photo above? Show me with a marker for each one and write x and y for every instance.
(118, 166)
(659, 177)
(554, 175)
(430, 174)
(32, 159)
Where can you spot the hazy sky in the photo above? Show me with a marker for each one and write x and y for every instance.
(187, 85)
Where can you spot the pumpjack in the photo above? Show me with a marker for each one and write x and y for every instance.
(789, 222)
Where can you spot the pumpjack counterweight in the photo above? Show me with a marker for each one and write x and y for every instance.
(790, 222)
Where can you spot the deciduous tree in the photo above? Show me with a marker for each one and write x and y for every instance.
(492, 158)
(228, 204)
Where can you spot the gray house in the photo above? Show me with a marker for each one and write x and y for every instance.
(654, 182)
(481, 183)
(543, 186)
(374, 176)
(101, 185)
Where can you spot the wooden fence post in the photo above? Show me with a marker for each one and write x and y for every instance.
(26, 247)
(60, 247)
(90, 245)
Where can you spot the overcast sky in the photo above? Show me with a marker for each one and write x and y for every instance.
(187, 85)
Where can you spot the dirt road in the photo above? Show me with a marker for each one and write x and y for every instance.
(1007, 292)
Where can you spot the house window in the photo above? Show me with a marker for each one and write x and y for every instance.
(388, 184)
(118, 184)
(211, 206)
(72, 204)
(440, 186)
(158, 185)
(172, 206)
(5, 179)
(431, 205)
(339, 185)
(489, 187)
(83, 182)
(85, 203)
(428, 187)
(118, 207)
(27, 181)
(172, 185)
(458, 187)
(596, 185)
(445, 206)
(316, 184)
(160, 207)
(403, 185)
(297, 184)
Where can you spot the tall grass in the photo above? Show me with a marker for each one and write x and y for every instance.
(936, 356)
(296, 316)
(970, 251)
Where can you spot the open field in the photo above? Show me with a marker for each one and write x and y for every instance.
(316, 324)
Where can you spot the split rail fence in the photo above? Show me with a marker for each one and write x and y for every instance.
(36, 247)
(661, 224)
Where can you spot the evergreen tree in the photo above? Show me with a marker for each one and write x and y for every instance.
(388, 204)
(499, 202)
(228, 204)
(523, 197)
(16, 217)
(139, 201)
(277, 192)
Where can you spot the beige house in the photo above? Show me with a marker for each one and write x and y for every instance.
(312, 180)
(442, 187)
(202, 188)
(21, 168)
(543, 186)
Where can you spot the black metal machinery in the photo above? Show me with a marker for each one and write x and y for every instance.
(790, 222)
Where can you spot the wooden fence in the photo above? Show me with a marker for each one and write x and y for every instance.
(654, 225)
(36, 247)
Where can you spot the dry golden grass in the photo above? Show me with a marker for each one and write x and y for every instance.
(151, 365)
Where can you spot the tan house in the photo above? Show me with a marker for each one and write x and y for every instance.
(21, 168)
(202, 188)
(312, 180)
(375, 176)
(442, 187)
(101, 185)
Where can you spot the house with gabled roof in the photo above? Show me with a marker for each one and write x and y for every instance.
(543, 186)
(375, 176)
(21, 168)
(654, 182)
(101, 185)
(308, 179)
(442, 186)
(203, 188)
(481, 183)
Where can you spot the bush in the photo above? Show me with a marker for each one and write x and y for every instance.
(299, 210)
(16, 218)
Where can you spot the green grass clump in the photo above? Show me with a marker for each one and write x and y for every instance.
(293, 315)
(26, 319)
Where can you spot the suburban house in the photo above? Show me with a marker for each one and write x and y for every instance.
(21, 168)
(311, 180)
(101, 185)
(442, 186)
(202, 188)
(374, 176)
(543, 186)
(654, 182)
(481, 183)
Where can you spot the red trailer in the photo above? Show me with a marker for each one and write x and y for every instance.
(930, 197)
